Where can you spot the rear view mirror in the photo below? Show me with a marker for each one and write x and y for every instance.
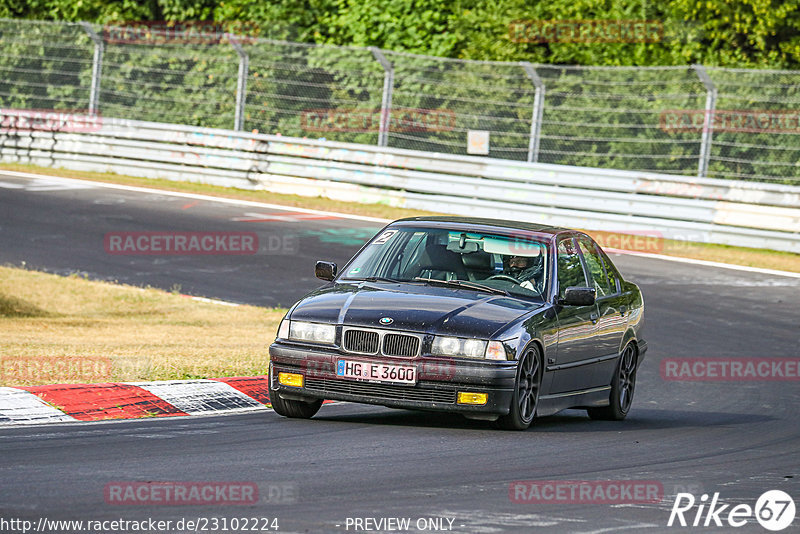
(578, 296)
(469, 247)
(325, 270)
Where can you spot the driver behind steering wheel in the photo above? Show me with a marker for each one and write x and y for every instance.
(525, 269)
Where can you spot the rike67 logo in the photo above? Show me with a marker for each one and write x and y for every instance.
(774, 510)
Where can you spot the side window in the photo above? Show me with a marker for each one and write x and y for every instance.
(597, 270)
(612, 272)
(570, 270)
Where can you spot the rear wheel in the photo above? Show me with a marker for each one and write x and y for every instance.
(622, 388)
(526, 393)
(293, 408)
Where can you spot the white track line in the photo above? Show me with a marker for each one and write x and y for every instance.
(211, 301)
(237, 202)
(196, 196)
(706, 263)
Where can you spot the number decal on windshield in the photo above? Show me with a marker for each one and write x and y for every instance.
(385, 236)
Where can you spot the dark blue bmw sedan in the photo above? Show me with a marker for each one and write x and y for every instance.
(496, 320)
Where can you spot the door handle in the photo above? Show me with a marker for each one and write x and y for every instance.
(623, 310)
(593, 317)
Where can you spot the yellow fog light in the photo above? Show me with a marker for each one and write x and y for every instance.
(291, 379)
(465, 397)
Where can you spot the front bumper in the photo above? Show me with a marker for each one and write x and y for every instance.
(438, 381)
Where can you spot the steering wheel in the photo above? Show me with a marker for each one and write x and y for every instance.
(512, 279)
(504, 277)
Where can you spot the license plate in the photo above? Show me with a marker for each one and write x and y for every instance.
(377, 372)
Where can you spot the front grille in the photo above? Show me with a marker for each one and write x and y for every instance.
(364, 341)
(400, 345)
(381, 391)
(387, 342)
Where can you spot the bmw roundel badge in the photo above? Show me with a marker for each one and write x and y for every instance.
(386, 320)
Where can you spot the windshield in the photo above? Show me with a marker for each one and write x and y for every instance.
(514, 264)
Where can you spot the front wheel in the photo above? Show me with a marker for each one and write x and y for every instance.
(526, 393)
(621, 389)
(293, 408)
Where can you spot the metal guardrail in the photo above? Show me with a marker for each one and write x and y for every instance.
(675, 207)
(715, 122)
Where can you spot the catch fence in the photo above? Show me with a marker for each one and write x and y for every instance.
(689, 120)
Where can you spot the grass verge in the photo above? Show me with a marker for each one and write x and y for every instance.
(762, 258)
(57, 329)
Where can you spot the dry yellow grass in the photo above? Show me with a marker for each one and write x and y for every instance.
(71, 330)
(766, 259)
(751, 257)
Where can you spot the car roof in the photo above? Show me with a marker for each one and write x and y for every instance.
(498, 223)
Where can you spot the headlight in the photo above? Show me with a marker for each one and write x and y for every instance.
(456, 346)
(312, 332)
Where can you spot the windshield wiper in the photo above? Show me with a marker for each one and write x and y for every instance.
(463, 283)
(381, 279)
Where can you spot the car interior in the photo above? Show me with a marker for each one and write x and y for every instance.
(407, 254)
(442, 260)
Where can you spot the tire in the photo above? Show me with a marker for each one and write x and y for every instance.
(526, 393)
(622, 388)
(293, 408)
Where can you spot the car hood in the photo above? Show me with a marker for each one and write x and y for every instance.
(413, 307)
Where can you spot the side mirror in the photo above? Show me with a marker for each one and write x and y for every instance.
(326, 270)
(578, 296)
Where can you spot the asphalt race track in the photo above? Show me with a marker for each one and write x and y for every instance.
(739, 439)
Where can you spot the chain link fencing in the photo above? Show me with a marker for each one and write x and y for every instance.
(715, 122)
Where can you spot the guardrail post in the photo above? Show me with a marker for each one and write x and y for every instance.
(241, 82)
(536, 116)
(97, 68)
(708, 120)
(386, 98)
